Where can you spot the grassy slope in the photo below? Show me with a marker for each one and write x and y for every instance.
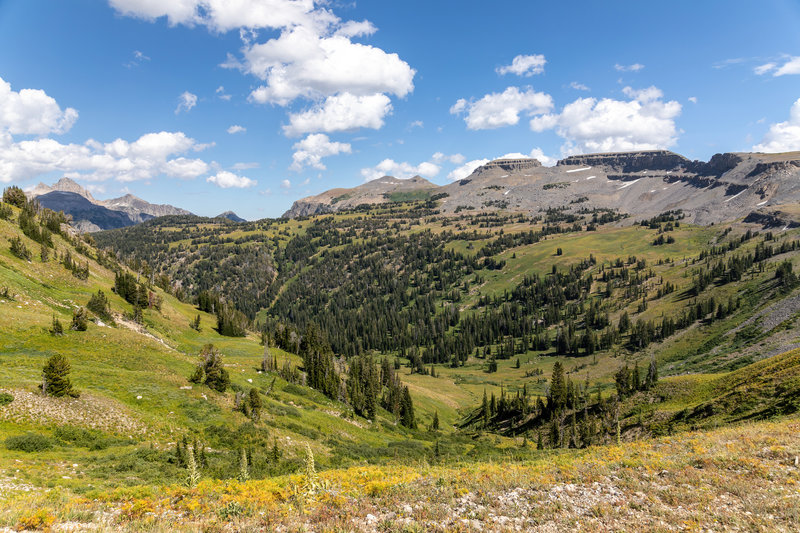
(112, 366)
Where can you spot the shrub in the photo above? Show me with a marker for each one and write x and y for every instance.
(5, 399)
(40, 519)
(29, 442)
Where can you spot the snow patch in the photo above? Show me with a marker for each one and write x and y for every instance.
(762, 203)
(578, 170)
(590, 178)
(734, 196)
(628, 184)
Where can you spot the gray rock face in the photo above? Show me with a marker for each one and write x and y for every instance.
(628, 161)
(643, 184)
(509, 165)
(90, 215)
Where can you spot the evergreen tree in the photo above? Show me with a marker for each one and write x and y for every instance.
(55, 377)
(255, 404)
(558, 389)
(210, 370)
(435, 423)
(98, 304)
(407, 410)
(652, 374)
(57, 330)
(19, 249)
(79, 320)
(15, 196)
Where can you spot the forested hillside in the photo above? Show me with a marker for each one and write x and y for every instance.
(199, 354)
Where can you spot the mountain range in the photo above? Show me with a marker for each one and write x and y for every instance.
(90, 215)
(760, 187)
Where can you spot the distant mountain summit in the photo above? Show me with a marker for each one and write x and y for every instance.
(757, 187)
(382, 190)
(89, 214)
(230, 215)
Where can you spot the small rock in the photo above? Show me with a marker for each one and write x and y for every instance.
(139, 397)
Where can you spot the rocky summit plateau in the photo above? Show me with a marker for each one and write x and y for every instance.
(90, 215)
(758, 187)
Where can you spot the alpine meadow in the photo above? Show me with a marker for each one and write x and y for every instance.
(344, 310)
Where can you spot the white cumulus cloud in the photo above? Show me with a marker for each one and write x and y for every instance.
(150, 156)
(186, 101)
(227, 180)
(496, 110)
(310, 151)
(524, 65)
(32, 112)
(285, 184)
(644, 122)
(783, 136)
(236, 129)
(303, 63)
(310, 55)
(341, 112)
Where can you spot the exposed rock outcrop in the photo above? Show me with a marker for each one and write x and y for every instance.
(643, 184)
(628, 161)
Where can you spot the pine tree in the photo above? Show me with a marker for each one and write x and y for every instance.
(79, 320)
(57, 329)
(255, 404)
(558, 389)
(555, 433)
(407, 410)
(211, 370)
(435, 423)
(55, 377)
(539, 442)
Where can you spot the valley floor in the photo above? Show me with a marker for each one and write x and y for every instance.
(741, 478)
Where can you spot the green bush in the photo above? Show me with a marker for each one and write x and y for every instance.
(29, 442)
(5, 399)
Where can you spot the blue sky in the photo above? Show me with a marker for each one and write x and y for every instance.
(248, 105)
